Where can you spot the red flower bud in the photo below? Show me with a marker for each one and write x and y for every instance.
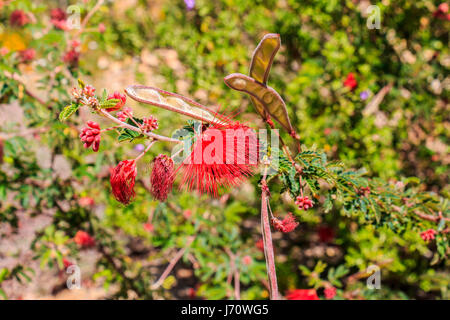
(122, 181)
(162, 177)
(350, 82)
(304, 203)
(91, 135)
(302, 294)
(428, 235)
(149, 124)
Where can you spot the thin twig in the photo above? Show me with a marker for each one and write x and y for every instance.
(172, 264)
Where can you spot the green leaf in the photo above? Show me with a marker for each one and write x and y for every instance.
(104, 104)
(68, 111)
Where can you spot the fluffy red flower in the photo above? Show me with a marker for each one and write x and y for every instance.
(222, 155)
(18, 18)
(428, 234)
(162, 177)
(304, 203)
(91, 135)
(260, 245)
(27, 55)
(122, 99)
(350, 82)
(122, 181)
(83, 239)
(330, 292)
(58, 18)
(302, 294)
(286, 225)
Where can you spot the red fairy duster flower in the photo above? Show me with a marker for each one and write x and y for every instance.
(286, 225)
(302, 294)
(58, 18)
(148, 227)
(18, 18)
(83, 239)
(222, 155)
(428, 235)
(350, 82)
(304, 203)
(91, 135)
(122, 99)
(122, 181)
(330, 292)
(260, 245)
(162, 177)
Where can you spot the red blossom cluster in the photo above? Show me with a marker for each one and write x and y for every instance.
(72, 56)
(350, 82)
(149, 124)
(124, 114)
(91, 135)
(162, 177)
(304, 203)
(27, 55)
(58, 18)
(288, 224)
(442, 12)
(83, 239)
(302, 294)
(122, 181)
(18, 18)
(428, 235)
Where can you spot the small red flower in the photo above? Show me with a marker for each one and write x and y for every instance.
(330, 292)
(442, 12)
(58, 18)
(91, 135)
(162, 177)
(71, 57)
(27, 55)
(67, 263)
(304, 203)
(122, 99)
(247, 260)
(83, 239)
(286, 225)
(18, 18)
(89, 91)
(187, 214)
(260, 245)
(123, 115)
(149, 124)
(302, 294)
(86, 202)
(428, 235)
(148, 227)
(101, 28)
(122, 181)
(222, 155)
(350, 82)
